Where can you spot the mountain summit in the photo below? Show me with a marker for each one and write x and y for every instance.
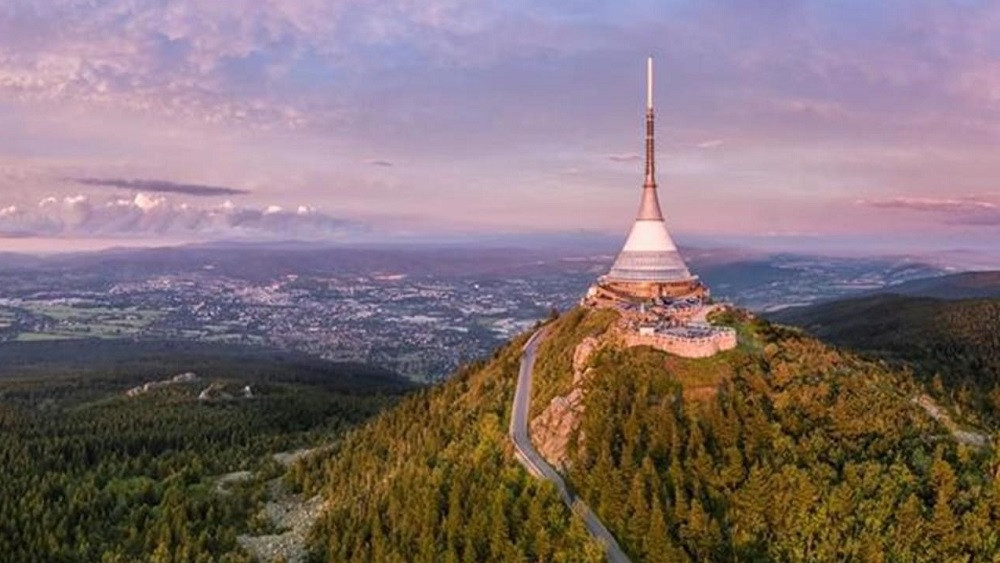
(781, 449)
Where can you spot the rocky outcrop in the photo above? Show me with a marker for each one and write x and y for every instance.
(289, 515)
(217, 392)
(581, 357)
(151, 385)
(293, 518)
(552, 430)
(223, 482)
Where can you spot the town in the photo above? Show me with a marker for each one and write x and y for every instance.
(420, 327)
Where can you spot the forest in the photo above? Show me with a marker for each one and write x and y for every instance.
(803, 453)
(434, 479)
(953, 346)
(786, 449)
(90, 474)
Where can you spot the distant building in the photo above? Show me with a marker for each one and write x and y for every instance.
(648, 266)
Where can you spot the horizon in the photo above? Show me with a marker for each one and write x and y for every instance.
(861, 129)
(565, 246)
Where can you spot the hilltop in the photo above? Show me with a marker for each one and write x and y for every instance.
(783, 449)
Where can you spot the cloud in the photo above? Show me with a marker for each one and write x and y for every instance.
(472, 93)
(161, 186)
(624, 157)
(712, 144)
(961, 211)
(242, 61)
(964, 205)
(152, 215)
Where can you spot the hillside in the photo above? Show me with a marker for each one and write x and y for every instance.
(433, 479)
(90, 472)
(966, 285)
(954, 346)
(785, 449)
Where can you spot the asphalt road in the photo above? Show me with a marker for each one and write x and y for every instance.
(537, 466)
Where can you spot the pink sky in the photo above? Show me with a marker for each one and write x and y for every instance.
(344, 119)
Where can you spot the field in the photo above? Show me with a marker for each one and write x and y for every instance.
(68, 321)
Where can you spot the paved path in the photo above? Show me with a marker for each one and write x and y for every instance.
(537, 466)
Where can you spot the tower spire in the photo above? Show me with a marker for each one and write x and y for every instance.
(650, 206)
(649, 265)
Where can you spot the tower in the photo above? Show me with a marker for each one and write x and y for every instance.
(649, 265)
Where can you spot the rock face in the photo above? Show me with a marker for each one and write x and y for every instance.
(552, 430)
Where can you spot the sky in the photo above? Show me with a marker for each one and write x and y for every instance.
(872, 123)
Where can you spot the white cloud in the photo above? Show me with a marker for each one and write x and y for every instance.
(148, 202)
(712, 144)
(625, 157)
(202, 60)
(149, 215)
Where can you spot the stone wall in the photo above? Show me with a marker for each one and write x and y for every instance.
(685, 347)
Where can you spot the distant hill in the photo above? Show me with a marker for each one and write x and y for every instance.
(966, 285)
(125, 361)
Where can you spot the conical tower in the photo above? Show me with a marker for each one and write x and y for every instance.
(649, 265)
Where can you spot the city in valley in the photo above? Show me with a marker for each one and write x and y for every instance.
(420, 311)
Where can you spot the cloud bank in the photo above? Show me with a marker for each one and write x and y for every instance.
(161, 186)
(969, 211)
(154, 216)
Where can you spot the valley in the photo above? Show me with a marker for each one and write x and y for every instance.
(420, 312)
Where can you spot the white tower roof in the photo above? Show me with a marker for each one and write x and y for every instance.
(649, 254)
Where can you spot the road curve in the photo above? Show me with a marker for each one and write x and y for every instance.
(537, 466)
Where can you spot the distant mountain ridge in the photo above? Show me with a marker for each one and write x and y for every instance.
(965, 285)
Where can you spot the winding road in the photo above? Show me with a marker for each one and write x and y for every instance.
(537, 466)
